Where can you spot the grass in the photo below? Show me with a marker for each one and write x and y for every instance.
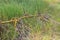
(17, 8)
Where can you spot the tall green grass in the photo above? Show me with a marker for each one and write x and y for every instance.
(16, 8)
